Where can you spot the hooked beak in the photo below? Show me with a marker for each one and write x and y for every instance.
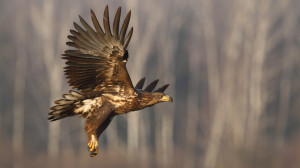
(167, 99)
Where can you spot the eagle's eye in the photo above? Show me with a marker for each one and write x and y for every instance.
(160, 96)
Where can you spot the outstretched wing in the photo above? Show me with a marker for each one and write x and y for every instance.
(98, 63)
(151, 86)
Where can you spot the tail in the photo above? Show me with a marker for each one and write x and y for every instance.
(65, 107)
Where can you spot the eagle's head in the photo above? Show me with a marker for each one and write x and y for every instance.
(149, 99)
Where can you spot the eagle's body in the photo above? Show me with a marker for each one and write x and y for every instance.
(97, 68)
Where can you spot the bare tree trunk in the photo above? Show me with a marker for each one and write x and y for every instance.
(82, 161)
(165, 118)
(192, 112)
(43, 22)
(136, 120)
(256, 91)
(19, 89)
(18, 116)
(285, 85)
(54, 127)
(213, 86)
(133, 118)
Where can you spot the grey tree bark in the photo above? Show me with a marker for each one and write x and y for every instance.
(19, 90)
(43, 20)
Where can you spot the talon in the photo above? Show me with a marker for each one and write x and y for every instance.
(93, 146)
(92, 154)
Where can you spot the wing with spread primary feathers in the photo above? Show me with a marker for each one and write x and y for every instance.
(98, 63)
(151, 86)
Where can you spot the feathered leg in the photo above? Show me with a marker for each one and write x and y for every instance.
(95, 125)
(93, 134)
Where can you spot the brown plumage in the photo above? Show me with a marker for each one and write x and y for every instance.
(97, 68)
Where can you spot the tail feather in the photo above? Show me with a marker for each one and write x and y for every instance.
(63, 101)
(65, 107)
(76, 94)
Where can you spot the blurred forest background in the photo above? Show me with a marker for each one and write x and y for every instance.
(233, 68)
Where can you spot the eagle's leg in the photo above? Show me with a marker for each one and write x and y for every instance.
(91, 132)
(95, 125)
(93, 139)
(93, 145)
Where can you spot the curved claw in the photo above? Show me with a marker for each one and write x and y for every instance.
(93, 146)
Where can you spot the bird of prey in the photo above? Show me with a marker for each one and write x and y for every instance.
(96, 68)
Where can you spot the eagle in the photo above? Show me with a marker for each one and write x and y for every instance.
(96, 71)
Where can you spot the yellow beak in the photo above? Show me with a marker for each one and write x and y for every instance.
(167, 99)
